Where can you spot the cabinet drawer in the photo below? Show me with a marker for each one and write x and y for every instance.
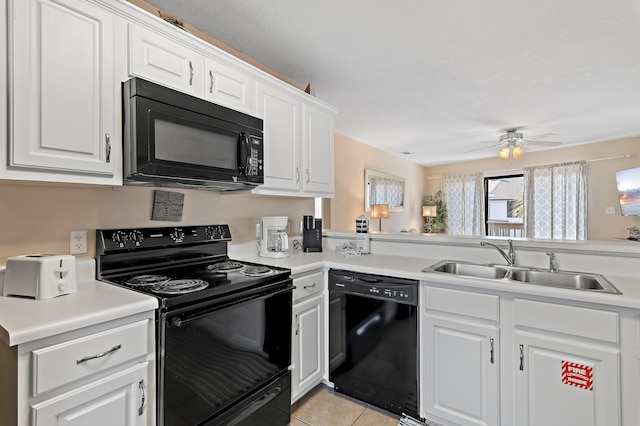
(307, 285)
(477, 305)
(66, 362)
(573, 320)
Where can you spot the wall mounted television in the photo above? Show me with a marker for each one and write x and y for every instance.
(629, 191)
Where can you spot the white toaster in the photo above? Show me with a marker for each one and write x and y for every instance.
(40, 276)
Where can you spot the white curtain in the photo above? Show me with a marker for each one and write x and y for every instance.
(386, 191)
(465, 204)
(555, 200)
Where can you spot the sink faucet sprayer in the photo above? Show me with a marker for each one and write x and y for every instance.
(510, 258)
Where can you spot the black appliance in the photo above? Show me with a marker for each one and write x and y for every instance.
(174, 139)
(373, 339)
(223, 327)
(311, 234)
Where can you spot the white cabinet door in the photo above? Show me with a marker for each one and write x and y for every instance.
(564, 383)
(308, 345)
(229, 87)
(318, 149)
(118, 399)
(63, 89)
(159, 59)
(461, 371)
(281, 114)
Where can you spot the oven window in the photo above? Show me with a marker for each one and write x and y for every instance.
(213, 361)
(194, 143)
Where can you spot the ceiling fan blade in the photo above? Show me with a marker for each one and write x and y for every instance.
(542, 136)
(480, 149)
(544, 143)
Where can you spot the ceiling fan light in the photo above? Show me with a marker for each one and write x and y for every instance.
(518, 151)
(504, 153)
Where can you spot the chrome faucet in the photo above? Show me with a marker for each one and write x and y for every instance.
(553, 267)
(510, 258)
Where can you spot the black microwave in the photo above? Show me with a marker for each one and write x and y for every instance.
(174, 139)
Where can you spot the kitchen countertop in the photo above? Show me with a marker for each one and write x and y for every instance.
(23, 320)
(411, 267)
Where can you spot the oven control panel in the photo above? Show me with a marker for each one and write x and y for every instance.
(116, 239)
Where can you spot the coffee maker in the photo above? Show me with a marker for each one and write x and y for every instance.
(272, 236)
(311, 234)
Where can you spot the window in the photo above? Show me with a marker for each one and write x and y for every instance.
(504, 205)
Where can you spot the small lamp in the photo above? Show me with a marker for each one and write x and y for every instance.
(511, 152)
(379, 211)
(429, 212)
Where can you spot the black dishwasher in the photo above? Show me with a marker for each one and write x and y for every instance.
(373, 339)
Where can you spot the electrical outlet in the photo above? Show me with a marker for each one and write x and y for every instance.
(78, 242)
(609, 210)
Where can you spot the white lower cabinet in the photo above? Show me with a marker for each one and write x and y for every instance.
(496, 359)
(567, 361)
(460, 368)
(563, 383)
(462, 372)
(308, 342)
(118, 399)
(100, 375)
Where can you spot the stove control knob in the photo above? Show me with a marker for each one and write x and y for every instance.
(177, 235)
(214, 232)
(120, 238)
(136, 237)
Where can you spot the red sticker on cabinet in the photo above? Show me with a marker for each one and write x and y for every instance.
(577, 375)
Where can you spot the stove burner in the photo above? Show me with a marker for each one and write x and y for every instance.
(227, 266)
(180, 286)
(256, 271)
(146, 280)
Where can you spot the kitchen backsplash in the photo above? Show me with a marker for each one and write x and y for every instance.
(38, 218)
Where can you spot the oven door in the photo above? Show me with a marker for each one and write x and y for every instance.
(216, 357)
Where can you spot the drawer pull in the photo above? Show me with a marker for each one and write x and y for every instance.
(307, 287)
(100, 355)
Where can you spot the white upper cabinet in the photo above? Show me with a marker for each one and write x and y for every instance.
(164, 61)
(318, 149)
(229, 87)
(281, 114)
(299, 145)
(63, 92)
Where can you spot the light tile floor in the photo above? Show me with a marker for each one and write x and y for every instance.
(324, 407)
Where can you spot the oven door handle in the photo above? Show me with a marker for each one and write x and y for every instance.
(180, 321)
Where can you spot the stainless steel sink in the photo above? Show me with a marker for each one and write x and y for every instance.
(573, 280)
(468, 269)
(562, 279)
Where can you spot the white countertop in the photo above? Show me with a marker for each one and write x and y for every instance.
(411, 267)
(23, 320)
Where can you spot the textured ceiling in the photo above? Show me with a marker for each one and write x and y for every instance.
(438, 78)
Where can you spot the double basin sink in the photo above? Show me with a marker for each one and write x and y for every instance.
(541, 277)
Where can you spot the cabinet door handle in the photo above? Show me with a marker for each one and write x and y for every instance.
(521, 357)
(100, 355)
(211, 77)
(107, 138)
(307, 287)
(190, 73)
(491, 358)
(297, 324)
(308, 176)
(297, 174)
(143, 397)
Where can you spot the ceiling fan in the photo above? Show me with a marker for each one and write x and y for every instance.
(513, 143)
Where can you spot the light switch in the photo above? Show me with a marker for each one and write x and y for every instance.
(609, 210)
